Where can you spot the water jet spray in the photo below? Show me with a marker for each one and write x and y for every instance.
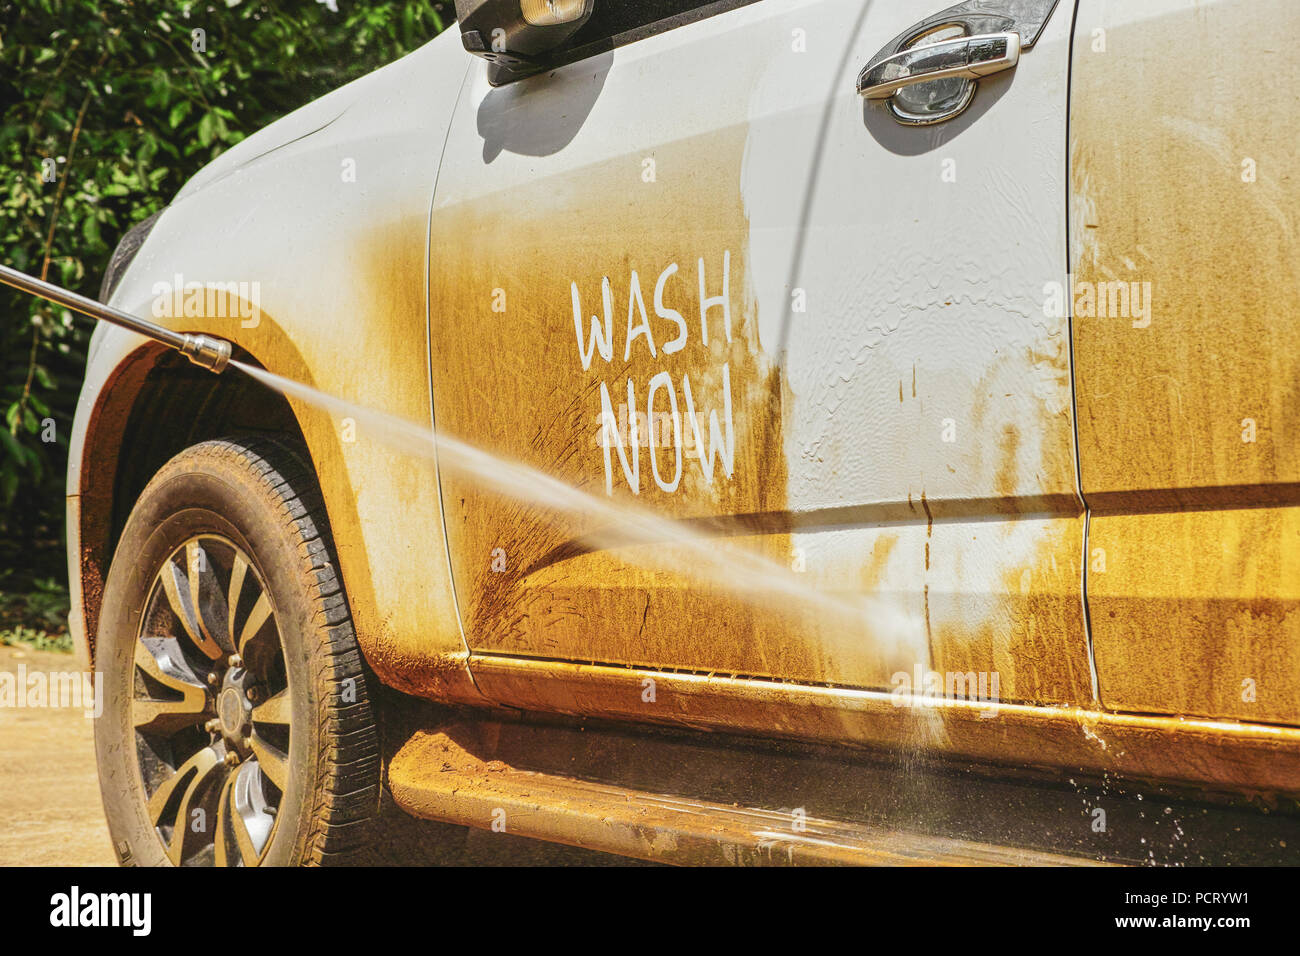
(618, 525)
(613, 525)
(203, 350)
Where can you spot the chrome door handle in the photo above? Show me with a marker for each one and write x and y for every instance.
(964, 57)
(929, 72)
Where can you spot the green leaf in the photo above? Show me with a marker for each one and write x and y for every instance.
(178, 113)
(90, 229)
(14, 450)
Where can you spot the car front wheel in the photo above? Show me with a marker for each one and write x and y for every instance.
(237, 726)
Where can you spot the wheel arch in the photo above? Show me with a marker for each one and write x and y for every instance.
(151, 406)
(143, 404)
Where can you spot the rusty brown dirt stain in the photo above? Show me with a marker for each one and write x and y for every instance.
(1233, 605)
(1034, 640)
(512, 382)
(929, 631)
(874, 570)
(1192, 604)
(1006, 481)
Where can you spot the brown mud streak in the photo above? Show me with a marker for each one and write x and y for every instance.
(1006, 481)
(401, 621)
(1196, 598)
(402, 624)
(1027, 625)
(929, 534)
(512, 382)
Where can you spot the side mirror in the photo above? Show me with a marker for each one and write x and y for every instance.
(515, 36)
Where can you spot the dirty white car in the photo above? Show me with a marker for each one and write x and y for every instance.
(973, 318)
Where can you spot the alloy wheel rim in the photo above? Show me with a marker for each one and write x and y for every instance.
(211, 706)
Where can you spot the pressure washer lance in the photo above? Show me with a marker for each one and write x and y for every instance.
(211, 353)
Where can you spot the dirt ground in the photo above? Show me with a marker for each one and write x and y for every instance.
(49, 794)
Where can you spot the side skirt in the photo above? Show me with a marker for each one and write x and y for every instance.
(685, 800)
(1224, 756)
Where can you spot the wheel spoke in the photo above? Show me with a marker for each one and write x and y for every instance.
(164, 663)
(207, 597)
(167, 716)
(243, 840)
(238, 569)
(180, 596)
(257, 621)
(273, 763)
(220, 849)
(249, 817)
(194, 775)
(274, 711)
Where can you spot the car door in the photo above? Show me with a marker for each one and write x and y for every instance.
(1183, 207)
(710, 226)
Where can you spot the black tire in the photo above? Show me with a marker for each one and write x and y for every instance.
(297, 710)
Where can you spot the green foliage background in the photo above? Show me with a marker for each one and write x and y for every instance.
(116, 94)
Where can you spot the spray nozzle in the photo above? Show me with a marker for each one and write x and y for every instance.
(203, 350)
(207, 352)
